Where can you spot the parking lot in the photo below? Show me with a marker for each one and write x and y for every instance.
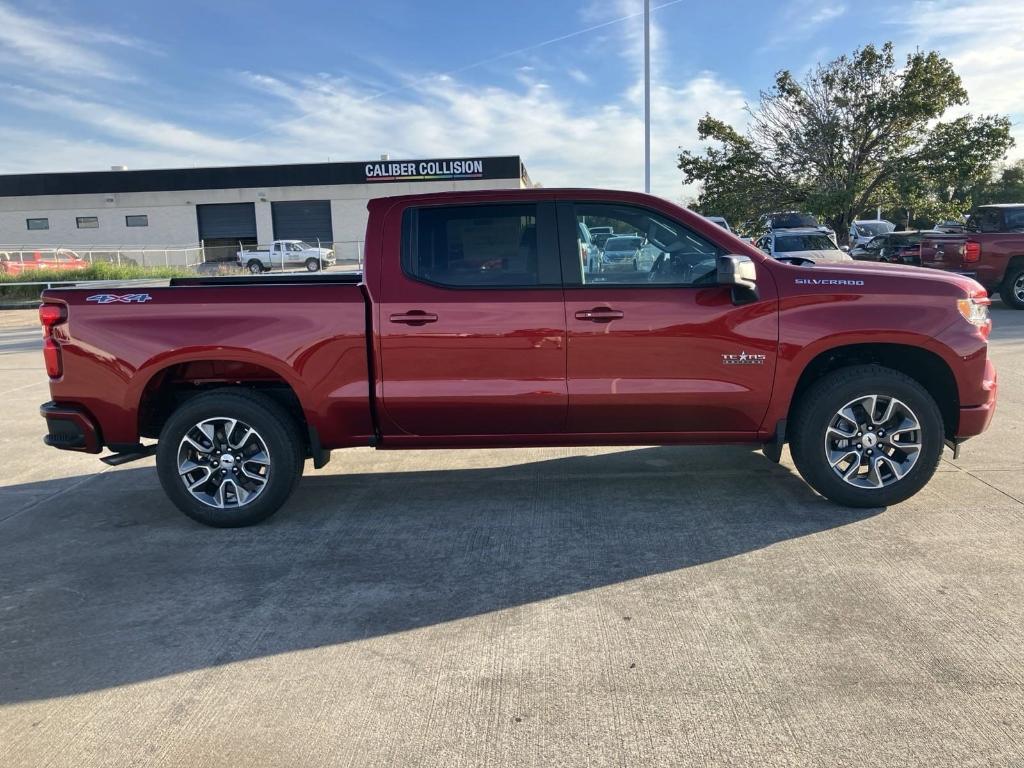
(536, 607)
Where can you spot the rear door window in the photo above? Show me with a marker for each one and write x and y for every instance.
(1015, 219)
(481, 246)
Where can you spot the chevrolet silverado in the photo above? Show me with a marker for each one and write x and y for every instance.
(479, 321)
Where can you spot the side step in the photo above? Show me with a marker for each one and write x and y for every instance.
(134, 453)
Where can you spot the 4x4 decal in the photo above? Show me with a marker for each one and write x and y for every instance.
(122, 298)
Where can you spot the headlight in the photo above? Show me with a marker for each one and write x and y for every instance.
(975, 311)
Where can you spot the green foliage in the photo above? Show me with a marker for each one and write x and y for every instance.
(12, 288)
(1006, 187)
(855, 133)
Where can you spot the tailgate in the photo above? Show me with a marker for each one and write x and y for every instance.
(943, 251)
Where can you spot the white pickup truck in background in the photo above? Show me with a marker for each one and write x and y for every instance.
(286, 254)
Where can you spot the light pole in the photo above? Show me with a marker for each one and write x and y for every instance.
(647, 96)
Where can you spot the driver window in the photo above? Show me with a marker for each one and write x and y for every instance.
(643, 248)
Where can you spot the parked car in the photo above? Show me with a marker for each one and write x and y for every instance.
(894, 248)
(590, 254)
(862, 230)
(720, 221)
(286, 254)
(601, 231)
(949, 226)
(624, 252)
(990, 249)
(803, 243)
(18, 262)
(475, 325)
(793, 220)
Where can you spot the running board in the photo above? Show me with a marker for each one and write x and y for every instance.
(137, 452)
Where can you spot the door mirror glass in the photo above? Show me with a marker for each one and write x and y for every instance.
(741, 273)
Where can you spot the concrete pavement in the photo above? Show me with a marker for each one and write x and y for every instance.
(619, 607)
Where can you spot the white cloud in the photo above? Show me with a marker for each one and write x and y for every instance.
(800, 20)
(136, 129)
(578, 75)
(33, 44)
(562, 141)
(985, 42)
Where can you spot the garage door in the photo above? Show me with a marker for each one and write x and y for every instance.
(225, 228)
(219, 221)
(308, 220)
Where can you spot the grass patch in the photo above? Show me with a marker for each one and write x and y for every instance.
(11, 288)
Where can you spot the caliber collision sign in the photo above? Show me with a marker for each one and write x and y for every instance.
(424, 170)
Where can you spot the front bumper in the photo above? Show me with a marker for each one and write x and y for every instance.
(975, 419)
(70, 428)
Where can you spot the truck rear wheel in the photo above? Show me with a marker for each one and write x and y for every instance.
(255, 266)
(867, 436)
(229, 458)
(1012, 289)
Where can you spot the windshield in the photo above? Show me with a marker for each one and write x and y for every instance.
(866, 228)
(791, 243)
(792, 220)
(623, 244)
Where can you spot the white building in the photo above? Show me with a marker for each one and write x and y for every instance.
(220, 208)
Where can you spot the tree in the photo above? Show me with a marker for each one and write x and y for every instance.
(854, 134)
(1006, 187)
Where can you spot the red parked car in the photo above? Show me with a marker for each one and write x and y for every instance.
(477, 324)
(17, 262)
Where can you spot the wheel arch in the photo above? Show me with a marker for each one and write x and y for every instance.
(924, 366)
(170, 384)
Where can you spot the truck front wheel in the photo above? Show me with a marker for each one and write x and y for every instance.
(1012, 289)
(229, 457)
(867, 436)
(312, 265)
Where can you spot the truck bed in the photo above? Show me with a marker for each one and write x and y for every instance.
(123, 358)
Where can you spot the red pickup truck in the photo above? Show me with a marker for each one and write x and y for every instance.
(477, 323)
(990, 250)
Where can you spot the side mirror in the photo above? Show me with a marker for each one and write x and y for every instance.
(844, 248)
(740, 272)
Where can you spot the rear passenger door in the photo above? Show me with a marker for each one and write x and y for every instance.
(472, 322)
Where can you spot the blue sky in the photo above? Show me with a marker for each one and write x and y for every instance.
(87, 85)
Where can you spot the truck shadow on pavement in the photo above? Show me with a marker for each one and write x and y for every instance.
(108, 584)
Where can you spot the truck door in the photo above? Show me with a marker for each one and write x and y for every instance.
(471, 322)
(659, 346)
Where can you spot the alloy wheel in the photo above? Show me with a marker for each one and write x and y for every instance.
(873, 441)
(223, 462)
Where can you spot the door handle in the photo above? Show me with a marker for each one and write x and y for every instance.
(414, 317)
(600, 314)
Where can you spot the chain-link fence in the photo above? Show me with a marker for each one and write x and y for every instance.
(59, 256)
(18, 258)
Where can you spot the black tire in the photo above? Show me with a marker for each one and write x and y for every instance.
(274, 426)
(818, 407)
(255, 266)
(312, 265)
(1012, 289)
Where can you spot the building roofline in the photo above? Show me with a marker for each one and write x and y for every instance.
(249, 176)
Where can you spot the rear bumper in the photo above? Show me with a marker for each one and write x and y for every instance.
(70, 428)
(975, 419)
